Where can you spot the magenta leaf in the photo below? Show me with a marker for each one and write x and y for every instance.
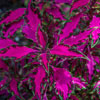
(14, 15)
(95, 22)
(82, 47)
(44, 60)
(90, 65)
(78, 82)
(4, 43)
(17, 52)
(13, 28)
(78, 4)
(55, 12)
(38, 80)
(97, 59)
(95, 34)
(63, 81)
(76, 39)
(45, 97)
(68, 27)
(64, 51)
(3, 65)
(98, 2)
(33, 19)
(29, 33)
(13, 86)
(3, 82)
(64, 1)
(41, 38)
(95, 25)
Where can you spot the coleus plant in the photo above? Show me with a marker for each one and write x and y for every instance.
(61, 56)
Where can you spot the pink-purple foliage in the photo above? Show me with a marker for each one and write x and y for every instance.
(56, 55)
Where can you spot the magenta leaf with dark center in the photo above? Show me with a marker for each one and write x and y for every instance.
(14, 15)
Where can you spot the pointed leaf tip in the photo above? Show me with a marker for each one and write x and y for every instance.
(70, 26)
(33, 19)
(4, 43)
(13, 86)
(18, 52)
(38, 80)
(14, 15)
(41, 38)
(78, 4)
(64, 51)
(44, 60)
(63, 81)
(78, 82)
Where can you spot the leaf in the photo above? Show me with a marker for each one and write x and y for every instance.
(14, 15)
(3, 82)
(90, 65)
(13, 28)
(78, 4)
(32, 18)
(95, 22)
(29, 33)
(41, 38)
(98, 2)
(82, 47)
(54, 98)
(78, 82)
(63, 81)
(70, 26)
(13, 86)
(55, 12)
(95, 25)
(64, 1)
(45, 97)
(3, 65)
(4, 43)
(97, 59)
(44, 60)
(76, 39)
(63, 51)
(38, 80)
(17, 52)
